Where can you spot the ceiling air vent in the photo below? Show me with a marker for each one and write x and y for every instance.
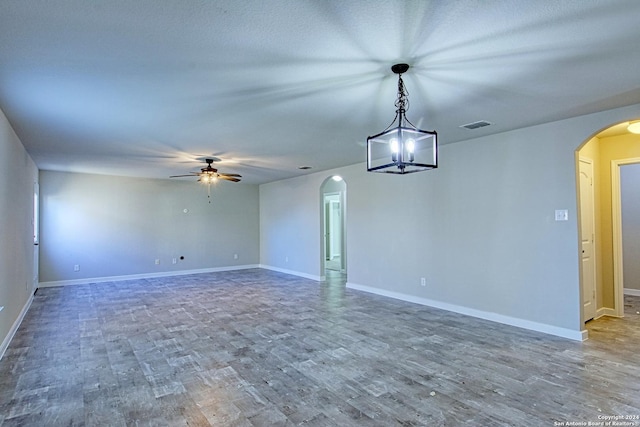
(476, 125)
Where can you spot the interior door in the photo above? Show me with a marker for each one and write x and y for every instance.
(327, 229)
(335, 227)
(587, 227)
(36, 236)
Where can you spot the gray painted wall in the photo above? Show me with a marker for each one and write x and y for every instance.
(18, 173)
(290, 224)
(480, 228)
(630, 196)
(115, 226)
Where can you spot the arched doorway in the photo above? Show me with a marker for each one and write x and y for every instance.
(606, 153)
(333, 197)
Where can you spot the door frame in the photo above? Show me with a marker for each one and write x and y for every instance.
(327, 199)
(341, 201)
(323, 223)
(616, 214)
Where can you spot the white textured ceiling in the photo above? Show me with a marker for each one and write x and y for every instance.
(145, 87)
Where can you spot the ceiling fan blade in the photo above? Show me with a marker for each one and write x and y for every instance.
(230, 174)
(229, 178)
(180, 176)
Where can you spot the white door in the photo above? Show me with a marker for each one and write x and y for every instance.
(335, 224)
(327, 229)
(587, 227)
(36, 236)
(332, 235)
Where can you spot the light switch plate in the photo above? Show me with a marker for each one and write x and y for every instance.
(562, 215)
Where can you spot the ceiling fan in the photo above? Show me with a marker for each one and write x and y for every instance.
(209, 174)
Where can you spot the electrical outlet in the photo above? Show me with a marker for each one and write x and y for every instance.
(286, 259)
(157, 261)
(76, 267)
(175, 260)
(235, 256)
(423, 281)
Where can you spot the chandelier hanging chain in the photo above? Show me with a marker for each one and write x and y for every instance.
(402, 101)
(401, 104)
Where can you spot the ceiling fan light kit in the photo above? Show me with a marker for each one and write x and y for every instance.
(402, 148)
(209, 174)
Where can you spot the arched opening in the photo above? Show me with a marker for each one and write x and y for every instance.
(333, 197)
(608, 169)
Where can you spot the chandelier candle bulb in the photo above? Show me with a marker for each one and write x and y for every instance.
(394, 149)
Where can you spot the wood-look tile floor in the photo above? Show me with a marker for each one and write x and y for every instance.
(260, 348)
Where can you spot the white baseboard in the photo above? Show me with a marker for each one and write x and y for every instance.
(15, 326)
(494, 317)
(604, 311)
(292, 272)
(634, 292)
(143, 276)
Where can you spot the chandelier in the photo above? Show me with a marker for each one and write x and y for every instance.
(402, 148)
